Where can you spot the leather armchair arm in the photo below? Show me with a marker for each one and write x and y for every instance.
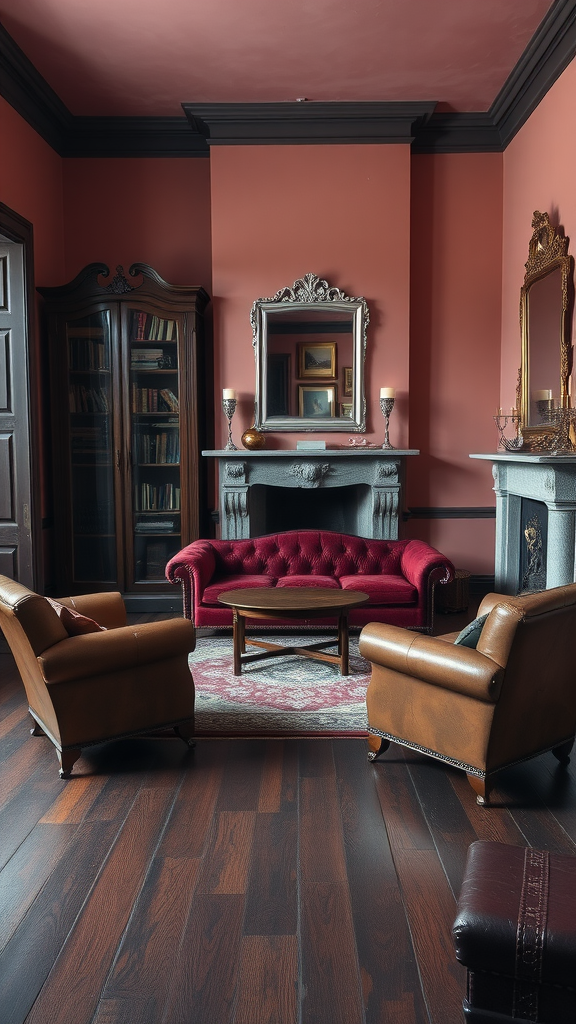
(462, 669)
(80, 657)
(107, 609)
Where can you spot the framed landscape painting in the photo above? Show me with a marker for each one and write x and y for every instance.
(346, 380)
(317, 359)
(316, 401)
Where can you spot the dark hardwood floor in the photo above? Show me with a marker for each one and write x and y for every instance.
(248, 881)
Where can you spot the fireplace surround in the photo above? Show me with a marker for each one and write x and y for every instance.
(535, 520)
(357, 491)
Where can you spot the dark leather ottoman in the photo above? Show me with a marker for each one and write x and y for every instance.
(515, 932)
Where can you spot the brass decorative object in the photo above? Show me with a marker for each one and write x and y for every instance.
(546, 297)
(253, 439)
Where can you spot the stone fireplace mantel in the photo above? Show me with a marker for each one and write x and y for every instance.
(351, 490)
(545, 481)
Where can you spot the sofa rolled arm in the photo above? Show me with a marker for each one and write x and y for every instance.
(91, 654)
(419, 559)
(432, 660)
(193, 567)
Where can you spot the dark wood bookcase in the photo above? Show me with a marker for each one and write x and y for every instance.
(130, 372)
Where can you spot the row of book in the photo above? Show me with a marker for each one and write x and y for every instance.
(147, 327)
(90, 440)
(158, 448)
(147, 359)
(153, 400)
(157, 498)
(87, 354)
(83, 399)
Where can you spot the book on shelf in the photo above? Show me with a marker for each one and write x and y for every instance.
(161, 448)
(85, 354)
(148, 327)
(146, 358)
(87, 400)
(157, 497)
(170, 399)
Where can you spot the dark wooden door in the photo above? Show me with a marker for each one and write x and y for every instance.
(16, 549)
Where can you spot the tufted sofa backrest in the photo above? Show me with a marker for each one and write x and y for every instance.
(308, 552)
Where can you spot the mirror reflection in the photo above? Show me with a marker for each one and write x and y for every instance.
(309, 343)
(544, 333)
(545, 307)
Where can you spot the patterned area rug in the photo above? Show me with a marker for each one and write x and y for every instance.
(287, 695)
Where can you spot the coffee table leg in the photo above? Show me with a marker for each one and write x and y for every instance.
(238, 640)
(343, 643)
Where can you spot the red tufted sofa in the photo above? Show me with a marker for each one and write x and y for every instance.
(399, 575)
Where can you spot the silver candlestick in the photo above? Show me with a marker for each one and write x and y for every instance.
(229, 408)
(510, 444)
(386, 405)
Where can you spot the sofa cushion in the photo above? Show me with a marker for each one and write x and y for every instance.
(241, 582)
(309, 581)
(382, 589)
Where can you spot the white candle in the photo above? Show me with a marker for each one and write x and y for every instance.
(228, 393)
(387, 392)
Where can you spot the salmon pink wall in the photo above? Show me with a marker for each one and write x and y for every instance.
(456, 268)
(539, 174)
(154, 211)
(341, 212)
(31, 185)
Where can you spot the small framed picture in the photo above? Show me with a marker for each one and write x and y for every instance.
(316, 402)
(317, 359)
(346, 410)
(346, 380)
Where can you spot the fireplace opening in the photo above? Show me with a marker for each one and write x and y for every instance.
(533, 545)
(342, 509)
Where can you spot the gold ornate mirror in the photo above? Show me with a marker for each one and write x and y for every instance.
(547, 421)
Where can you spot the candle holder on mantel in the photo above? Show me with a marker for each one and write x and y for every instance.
(387, 399)
(501, 419)
(229, 408)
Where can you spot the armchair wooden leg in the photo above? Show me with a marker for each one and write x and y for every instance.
(481, 787)
(562, 753)
(36, 729)
(67, 760)
(186, 732)
(376, 745)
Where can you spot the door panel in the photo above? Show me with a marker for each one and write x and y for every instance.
(15, 468)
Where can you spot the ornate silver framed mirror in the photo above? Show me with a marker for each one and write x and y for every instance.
(310, 348)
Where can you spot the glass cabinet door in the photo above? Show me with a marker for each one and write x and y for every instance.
(94, 545)
(155, 433)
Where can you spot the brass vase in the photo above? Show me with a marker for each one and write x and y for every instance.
(253, 439)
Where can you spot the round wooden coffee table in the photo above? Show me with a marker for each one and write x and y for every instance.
(281, 603)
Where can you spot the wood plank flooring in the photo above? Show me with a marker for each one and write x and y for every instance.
(279, 881)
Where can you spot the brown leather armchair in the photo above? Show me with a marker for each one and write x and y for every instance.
(481, 709)
(84, 689)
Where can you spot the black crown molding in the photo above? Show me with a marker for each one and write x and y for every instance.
(302, 123)
(547, 55)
